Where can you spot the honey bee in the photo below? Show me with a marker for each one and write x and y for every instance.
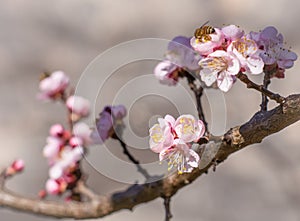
(44, 75)
(202, 33)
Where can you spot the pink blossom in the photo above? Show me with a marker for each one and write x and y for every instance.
(68, 157)
(161, 136)
(207, 46)
(167, 73)
(52, 148)
(118, 112)
(83, 131)
(172, 139)
(272, 50)
(181, 53)
(219, 66)
(247, 53)
(53, 85)
(78, 105)
(55, 187)
(56, 130)
(188, 129)
(109, 122)
(232, 33)
(180, 156)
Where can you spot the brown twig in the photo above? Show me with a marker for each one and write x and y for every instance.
(264, 102)
(168, 214)
(143, 171)
(198, 92)
(276, 97)
(69, 112)
(2, 178)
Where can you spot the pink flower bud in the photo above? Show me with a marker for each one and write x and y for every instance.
(52, 187)
(56, 130)
(118, 112)
(53, 85)
(18, 165)
(76, 141)
(167, 73)
(83, 131)
(51, 150)
(110, 119)
(15, 167)
(42, 194)
(78, 105)
(76, 154)
(56, 171)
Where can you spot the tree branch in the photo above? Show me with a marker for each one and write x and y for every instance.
(261, 125)
(244, 78)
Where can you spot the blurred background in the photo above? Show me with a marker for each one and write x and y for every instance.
(261, 182)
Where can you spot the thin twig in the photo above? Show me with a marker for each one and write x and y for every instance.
(276, 97)
(264, 102)
(69, 112)
(167, 201)
(2, 178)
(133, 160)
(198, 92)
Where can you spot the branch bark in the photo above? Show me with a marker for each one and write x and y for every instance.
(261, 125)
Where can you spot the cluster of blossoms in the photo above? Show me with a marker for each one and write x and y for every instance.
(173, 140)
(275, 56)
(109, 124)
(223, 53)
(179, 56)
(53, 86)
(63, 151)
(65, 148)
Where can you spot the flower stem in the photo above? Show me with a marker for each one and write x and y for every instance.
(69, 112)
(276, 97)
(264, 102)
(167, 201)
(198, 92)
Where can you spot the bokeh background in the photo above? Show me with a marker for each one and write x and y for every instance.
(261, 182)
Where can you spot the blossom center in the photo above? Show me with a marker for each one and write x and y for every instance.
(217, 64)
(187, 125)
(176, 159)
(157, 135)
(243, 46)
